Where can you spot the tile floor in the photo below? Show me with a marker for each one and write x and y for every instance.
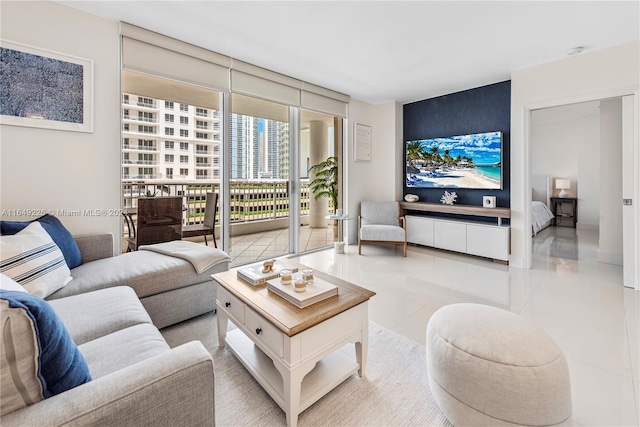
(577, 300)
(251, 247)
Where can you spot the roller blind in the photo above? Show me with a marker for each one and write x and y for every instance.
(150, 59)
(251, 85)
(170, 90)
(154, 54)
(323, 104)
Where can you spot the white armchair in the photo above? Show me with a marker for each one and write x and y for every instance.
(381, 223)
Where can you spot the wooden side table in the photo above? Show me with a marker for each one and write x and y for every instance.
(295, 354)
(557, 202)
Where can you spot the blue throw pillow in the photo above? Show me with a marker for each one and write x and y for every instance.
(56, 230)
(36, 338)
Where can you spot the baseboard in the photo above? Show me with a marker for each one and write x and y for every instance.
(587, 226)
(609, 257)
(516, 261)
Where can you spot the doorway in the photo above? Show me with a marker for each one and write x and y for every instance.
(584, 144)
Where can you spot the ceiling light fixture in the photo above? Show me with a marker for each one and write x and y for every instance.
(575, 50)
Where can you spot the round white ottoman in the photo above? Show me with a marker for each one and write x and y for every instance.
(489, 366)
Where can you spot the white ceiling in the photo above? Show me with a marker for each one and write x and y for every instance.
(380, 51)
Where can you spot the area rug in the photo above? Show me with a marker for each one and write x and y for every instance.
(394, 392)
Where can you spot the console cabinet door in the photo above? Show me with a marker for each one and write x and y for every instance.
(488, 241)
(419, 230)
(450, 235)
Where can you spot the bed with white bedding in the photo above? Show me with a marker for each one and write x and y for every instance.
(541, 216)
(541, 192)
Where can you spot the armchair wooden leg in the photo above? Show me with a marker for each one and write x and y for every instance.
(405, 249)
(359, 247)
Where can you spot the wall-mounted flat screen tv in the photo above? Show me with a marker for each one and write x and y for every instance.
(463, 161)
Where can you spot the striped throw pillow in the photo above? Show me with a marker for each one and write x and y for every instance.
(32, 259)
(38, 358)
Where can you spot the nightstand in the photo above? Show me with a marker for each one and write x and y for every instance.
(566, 212)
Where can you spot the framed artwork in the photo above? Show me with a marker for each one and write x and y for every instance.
(362, 143)
(45, 89)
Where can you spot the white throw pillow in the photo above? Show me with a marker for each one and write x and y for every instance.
(8, 284)
(31, 258)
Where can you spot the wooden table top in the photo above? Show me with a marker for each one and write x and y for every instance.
(285, 316)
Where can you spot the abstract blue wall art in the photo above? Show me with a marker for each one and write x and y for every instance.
(44, 89)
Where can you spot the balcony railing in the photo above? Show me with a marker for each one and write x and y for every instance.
(139, 162)
(249, 200)
(139, 147)
(140, 177)
(139, 104)
(139, 119)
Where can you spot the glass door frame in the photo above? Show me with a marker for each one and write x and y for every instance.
(295, 189)
(294, 181)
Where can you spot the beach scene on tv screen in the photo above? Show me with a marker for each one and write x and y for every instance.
(463, 161)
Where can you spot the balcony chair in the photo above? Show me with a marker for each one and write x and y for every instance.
(158, 220)
(381, 223)
(132, 241)
(208, 225)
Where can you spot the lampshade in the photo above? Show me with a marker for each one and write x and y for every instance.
(562, 185)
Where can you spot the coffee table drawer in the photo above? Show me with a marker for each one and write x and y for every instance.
(264, 332)
(231, 304)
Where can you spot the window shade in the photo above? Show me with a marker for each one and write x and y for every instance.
(170, 90)
(312, 101)
(262, 88)
(154, 54)
(154, 60)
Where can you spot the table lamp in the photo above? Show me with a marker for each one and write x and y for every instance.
(562, 185)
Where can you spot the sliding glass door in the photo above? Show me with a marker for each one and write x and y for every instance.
(171, 145)
(319, 177)
(259, 171)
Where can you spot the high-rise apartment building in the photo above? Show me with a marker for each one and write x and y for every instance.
(164, 140)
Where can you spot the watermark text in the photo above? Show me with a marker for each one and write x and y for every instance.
(63, 212)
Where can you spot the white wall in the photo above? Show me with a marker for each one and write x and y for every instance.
(588, 76)
(565, 143)
(381, 178)
(58, 170)
(610, 245)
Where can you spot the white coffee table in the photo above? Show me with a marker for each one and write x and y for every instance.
(294, 353)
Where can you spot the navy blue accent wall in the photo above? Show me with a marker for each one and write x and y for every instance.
(483, 109)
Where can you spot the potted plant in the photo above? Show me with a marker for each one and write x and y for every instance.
(325, 183)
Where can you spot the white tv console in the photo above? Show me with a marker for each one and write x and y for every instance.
(466, 236)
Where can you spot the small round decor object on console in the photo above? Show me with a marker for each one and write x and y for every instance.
(411, 197)
(489, 201)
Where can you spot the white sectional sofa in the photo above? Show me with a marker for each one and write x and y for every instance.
(112, 310)
(136, 378)
(170, 288)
